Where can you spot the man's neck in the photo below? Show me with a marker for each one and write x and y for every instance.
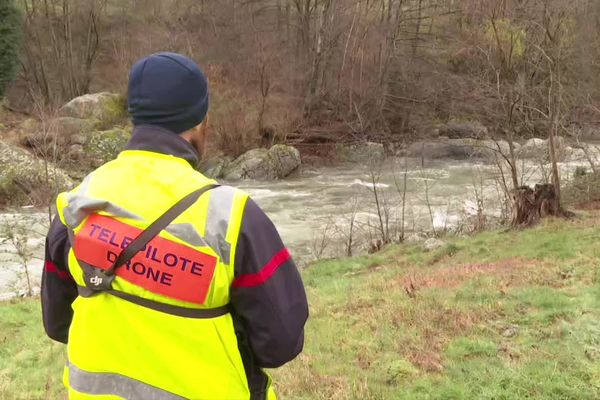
(160, 140)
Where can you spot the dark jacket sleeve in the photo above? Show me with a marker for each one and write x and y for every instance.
(267, 294)
(58, 287)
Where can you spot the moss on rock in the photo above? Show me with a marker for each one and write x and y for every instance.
(103, 146)
(107, 108)
(27, 180)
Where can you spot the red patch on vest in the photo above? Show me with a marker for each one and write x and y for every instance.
(164, 267)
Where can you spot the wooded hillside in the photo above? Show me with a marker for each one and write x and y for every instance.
(357, 69)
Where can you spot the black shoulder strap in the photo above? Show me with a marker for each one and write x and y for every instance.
(98, 280)
(157, 226)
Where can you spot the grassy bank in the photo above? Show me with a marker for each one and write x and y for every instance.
(502, 315)
(30, 363)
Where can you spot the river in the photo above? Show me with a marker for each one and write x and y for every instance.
(313, 209)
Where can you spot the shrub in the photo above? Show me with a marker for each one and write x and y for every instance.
(584, 188)
(233, 120)
(10, 39)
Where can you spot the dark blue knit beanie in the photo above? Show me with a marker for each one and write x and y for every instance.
(168, 90)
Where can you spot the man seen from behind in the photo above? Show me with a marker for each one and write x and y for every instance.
(163, 284)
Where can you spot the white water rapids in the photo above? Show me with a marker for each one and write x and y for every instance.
(312, 210)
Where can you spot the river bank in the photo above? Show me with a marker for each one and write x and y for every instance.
(497, 315)
(315, 207)
(351, 196)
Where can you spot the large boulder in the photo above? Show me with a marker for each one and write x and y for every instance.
(584, 152)
(59, 132)
(534, 148)
(215, 167)
(285, 160)
(460, 149)
(437, 150)
(362, 152)
(262, 164)
(28, 180)
(539, 149)
(103, 146)
(488, 148)
(491, 148)
(254, 164)
(464, 129)
(106, 108)
(473, 148)
(574, 154)
(68, 127)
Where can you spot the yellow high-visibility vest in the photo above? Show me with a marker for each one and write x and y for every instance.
(121, 350)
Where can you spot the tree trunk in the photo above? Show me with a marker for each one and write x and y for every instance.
(530, 205)
(313, 97)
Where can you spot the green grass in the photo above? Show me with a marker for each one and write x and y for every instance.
(502, 315)
(30, 363)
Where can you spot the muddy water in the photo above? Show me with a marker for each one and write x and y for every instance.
(320, 202)
(313, 209)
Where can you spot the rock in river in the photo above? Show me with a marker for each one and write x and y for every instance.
(262, 164)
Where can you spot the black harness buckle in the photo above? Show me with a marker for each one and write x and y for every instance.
(97, 280)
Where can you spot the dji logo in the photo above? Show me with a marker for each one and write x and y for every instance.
(96, 281)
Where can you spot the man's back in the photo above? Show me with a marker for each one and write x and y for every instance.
(145, 337)
(174, 352)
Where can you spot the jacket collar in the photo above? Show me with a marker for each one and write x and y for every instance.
(160, 140)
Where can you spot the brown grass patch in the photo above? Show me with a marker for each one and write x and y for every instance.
(512, 270)
(426, 360)
(589, 205)
(300, 376)
(436, 325)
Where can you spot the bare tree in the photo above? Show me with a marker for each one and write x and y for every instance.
(348, 229)
(62, 45)
(320, 243)
(382, 206)
(401, 187)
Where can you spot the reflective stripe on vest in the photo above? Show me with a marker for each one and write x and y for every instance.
(217, 221)
(80, 205)
(100, 383)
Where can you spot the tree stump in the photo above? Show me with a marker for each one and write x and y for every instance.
(529, 205)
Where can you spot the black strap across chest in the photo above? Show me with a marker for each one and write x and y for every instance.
(186, 312)
(157, 226)
(98, 280)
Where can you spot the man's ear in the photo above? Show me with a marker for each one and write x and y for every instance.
(203, 129)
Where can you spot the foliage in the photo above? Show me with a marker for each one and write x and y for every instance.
(509, 37)
(232, 119)
(375, 70)
(10, 39)
(583, 189)
(61, 46)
